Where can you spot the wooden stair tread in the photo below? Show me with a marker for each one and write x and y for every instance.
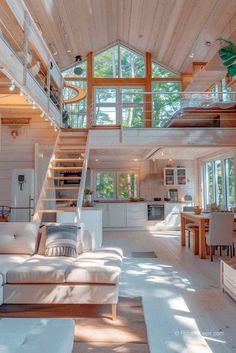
(66, 168)
(73, 137)
(62, 188)
(79, 151)
(64, 178)
(72, 160)
(74, 130)
(80, 143)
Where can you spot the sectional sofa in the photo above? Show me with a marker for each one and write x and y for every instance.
(29, 277)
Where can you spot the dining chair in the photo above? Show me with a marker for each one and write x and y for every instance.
(220, 232)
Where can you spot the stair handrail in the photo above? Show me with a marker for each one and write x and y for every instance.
(83, 180)
(40, 205)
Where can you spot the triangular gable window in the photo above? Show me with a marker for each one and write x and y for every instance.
(119, 62)
(159, 71)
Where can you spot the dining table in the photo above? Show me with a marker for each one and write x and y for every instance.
(202, 220)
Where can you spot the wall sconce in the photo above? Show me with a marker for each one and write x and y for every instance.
(14, 134)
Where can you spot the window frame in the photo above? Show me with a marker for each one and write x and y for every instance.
(119, 66)
(225, 199)
(118, 104)
(116, 174)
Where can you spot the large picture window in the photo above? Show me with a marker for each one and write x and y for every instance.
(115, 185)
(116, 105)
(218, 183)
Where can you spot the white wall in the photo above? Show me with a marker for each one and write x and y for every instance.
(19, 152)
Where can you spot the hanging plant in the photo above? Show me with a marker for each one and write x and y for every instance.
(228, 56)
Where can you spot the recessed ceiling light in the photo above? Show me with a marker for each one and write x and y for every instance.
(68, 50)
(191, 55)
(96, 160)
(208, 43)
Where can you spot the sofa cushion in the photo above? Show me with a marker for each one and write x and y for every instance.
(18, 237)
(40, 269)
(9, 262)
(36, 335)
(61, 240)
(100, 266)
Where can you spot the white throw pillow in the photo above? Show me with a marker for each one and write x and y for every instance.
(88, 243)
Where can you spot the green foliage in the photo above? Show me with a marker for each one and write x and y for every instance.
(127, 185)
(159, 71)
(118, 61)
(166, 104)
(228, 56)
(105, 186)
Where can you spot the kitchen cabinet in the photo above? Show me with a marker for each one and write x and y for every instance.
(105, 214)
(124, 215)
(175, 176)
(136, 215)
(117, 215)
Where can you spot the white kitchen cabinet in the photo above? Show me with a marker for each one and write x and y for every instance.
(175, 176)
(117, 215)
(105, 214)
(136, 215)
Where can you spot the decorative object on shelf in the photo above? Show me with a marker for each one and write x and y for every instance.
(197, 209)
(228, 56)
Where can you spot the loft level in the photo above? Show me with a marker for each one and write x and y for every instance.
(27, 61)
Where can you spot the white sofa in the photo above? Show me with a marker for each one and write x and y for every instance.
(30, 278)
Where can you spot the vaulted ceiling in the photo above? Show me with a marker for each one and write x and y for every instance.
(172, 30)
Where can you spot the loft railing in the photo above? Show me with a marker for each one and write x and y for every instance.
(26, 59)
(157, 109)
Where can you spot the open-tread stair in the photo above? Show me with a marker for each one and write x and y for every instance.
(61, 187)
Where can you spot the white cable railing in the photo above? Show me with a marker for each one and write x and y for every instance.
(133, 109)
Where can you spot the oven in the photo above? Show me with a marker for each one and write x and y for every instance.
(156, 212)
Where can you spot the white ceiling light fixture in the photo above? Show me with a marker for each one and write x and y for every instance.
(191, 55)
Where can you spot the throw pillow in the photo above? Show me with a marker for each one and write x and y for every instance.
(61, 240)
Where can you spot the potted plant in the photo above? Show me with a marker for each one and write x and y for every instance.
(88, 193)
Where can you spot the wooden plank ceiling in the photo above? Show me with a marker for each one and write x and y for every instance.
(170, 29)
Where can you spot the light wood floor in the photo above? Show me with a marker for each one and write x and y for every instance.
(185, 310)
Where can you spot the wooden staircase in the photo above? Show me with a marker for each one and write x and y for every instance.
(62, 189)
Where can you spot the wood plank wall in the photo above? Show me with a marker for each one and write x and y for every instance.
(19, 152)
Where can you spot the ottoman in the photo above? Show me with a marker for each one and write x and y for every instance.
(36, 335)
